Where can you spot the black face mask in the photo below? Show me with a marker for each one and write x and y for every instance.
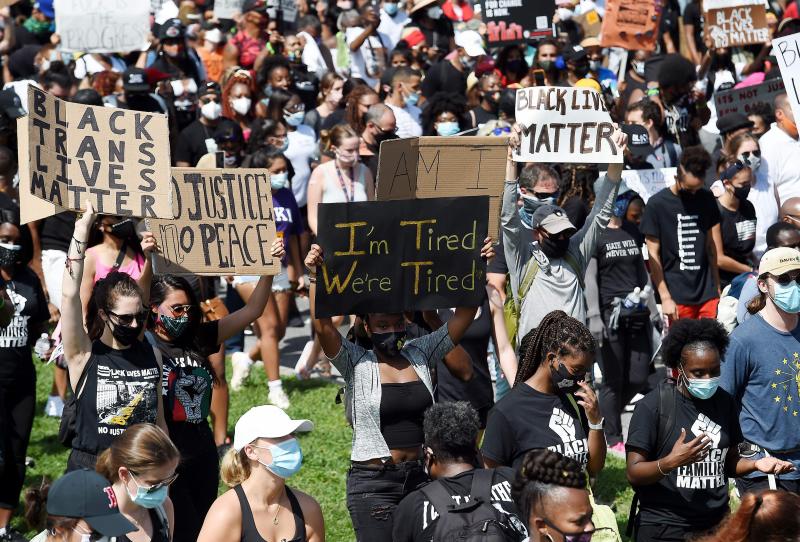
(493, 101)
(389, 343)
(380, 137)
(554, 247)
(741, 192)
(8, 255)
(125, 335)
(124, 229)
(563, 380)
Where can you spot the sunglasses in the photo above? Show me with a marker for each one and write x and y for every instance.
(127, 319)
(583, 536)
(747, 154)
(786, 278)
(155, 487)
(181, 310)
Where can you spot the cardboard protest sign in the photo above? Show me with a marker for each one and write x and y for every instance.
(590, 22)
(224, 224)
(731, 23)
(646, 182)
(390, 256)
(31, 208)
(741, 100)
(631, 24)
(565, 124)
(437, 167)
(117, 158)
(516, 21)
(787, 51)
(103, 26)
(227, 9)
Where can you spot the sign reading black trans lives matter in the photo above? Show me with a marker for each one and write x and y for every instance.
(117, 158)
(391, 256)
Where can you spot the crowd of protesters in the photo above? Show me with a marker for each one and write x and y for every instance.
(493, 421)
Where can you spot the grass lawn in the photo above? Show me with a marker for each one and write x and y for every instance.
(326, 450)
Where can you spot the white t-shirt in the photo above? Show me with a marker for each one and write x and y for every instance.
(312, 57)
(364, 61)
(393, 27)
(762, 196)
(302, 148)
(408, 124)
(779, 160)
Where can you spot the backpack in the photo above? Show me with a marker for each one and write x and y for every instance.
(474, 520)
(512, 307)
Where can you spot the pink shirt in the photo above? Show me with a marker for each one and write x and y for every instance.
(133, 268)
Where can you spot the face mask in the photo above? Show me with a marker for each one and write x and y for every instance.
(211, 110)
(563, 380)
(44, 66)
(412, 98)
(787, 297)
(183, 105)
(347, 161)
(492, 99)
(526, 217)
(638, 67)
(390, 343)
(293, 56)
(124, 229)
(741, 192)
(146, 499)
(554, 248)
(287, 458)
(335, 97)
(295, 119)
(546, 65)
(37, 27)
(241, 105)
(468, 62)
(87, 537)
(447, 128)
(390, 8)
(9, 254)
(532, 202)
(125, 335)
(230, 160)
(435, 12)
(284, 145)
(380, 137)
(594, 65)
(279, 180)
(702, 388)
(753, 162)
(174, 326)
(581, 70)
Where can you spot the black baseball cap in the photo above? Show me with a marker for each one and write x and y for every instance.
(254, 5)
(209, 87)
(732, 122)
(171, 29)
(574, 53)
(10, 104)
(86, 495)
(638, 139)
(135, 80)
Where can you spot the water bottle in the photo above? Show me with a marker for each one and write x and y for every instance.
(645, 295)
(42, 345)
(632, 299)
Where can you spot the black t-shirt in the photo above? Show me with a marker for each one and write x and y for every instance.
(695, 495)
(682, 224)
(191, 145)
(477, 391)
(498, 264)
(444, 77)
(30, 311)
(482, 116)
(335, 118)
(738, 236)
(693, 15)
(415, 519)
(620, 266)
(56, 231)
(526, 419)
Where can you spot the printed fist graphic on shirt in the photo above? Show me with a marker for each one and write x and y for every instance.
(704, 424)
(562, 425)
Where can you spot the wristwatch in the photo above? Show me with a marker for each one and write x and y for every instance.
(597, 426)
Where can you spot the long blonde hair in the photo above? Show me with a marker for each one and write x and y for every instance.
(141, 447)
(235, 467)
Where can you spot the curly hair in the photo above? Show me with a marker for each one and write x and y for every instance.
(696, 160)
(541, 472)
(558, 334)
(270, 64)
(763, 110)
(771, 516)
(442, 102)
(686, 335)
(451, 430)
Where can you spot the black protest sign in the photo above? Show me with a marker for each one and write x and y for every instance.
(116, 158)
(390, 256)
(516, 21)
(224, 224)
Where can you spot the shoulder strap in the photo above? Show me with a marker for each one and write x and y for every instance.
(163, 526)
(82, 379)
(248, 521)
(299, 520)
(438, 496)
(531, 270)
(121, 255)
(482, 485)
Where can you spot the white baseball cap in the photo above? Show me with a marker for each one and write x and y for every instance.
(266, 421)
(471, 42)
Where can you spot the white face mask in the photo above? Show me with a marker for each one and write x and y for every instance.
(279, 180)
(211, 110)
(241, 105)
(229, 160)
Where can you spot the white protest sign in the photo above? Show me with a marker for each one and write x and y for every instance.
(227, 9)
(646, 182)
(787, 51)
(103, 26)
(564, 124)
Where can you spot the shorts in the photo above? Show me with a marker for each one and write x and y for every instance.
(244, 279)
(280, 282)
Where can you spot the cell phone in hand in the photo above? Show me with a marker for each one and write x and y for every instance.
(538, 77)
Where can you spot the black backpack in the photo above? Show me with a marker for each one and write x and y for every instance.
(474, 520)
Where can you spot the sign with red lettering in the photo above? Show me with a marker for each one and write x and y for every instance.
(516, 21)
(565, 125)
(741, 100)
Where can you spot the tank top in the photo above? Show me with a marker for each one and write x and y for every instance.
(160, 528)
(402, 410)
(249, 530)
(333, 192)
(121, 390)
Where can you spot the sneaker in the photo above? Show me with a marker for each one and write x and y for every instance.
(241, 369)
(54, 406)
(12, 535)
(618, 449)
(278, 398)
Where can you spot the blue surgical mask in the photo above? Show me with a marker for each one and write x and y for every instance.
(435, 13)
(174, 327)
(295, 119)
(286, 458)
(447, 128)
(412, 98)
(390, 8)
(148, 499)
(702, 388)
(526, 217)
(787, 297)
(279, 180)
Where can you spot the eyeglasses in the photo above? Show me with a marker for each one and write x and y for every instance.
(155, 487)
(127, 319)
(786, 278)
(583, 536)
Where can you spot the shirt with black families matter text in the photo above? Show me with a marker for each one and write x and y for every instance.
(682, 223)
(415, 519)
(30, 309)
(526, 419)
(695, 495)
(738, 236)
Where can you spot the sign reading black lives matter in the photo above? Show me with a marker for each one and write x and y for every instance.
(224, 224)
(117, 158)
(565, 125)
(390, 256)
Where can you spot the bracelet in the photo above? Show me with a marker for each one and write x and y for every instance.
(658, 466)
(653, 91)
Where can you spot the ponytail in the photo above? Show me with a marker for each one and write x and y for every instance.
(757, 303)
(235, 467)
(35, 503)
